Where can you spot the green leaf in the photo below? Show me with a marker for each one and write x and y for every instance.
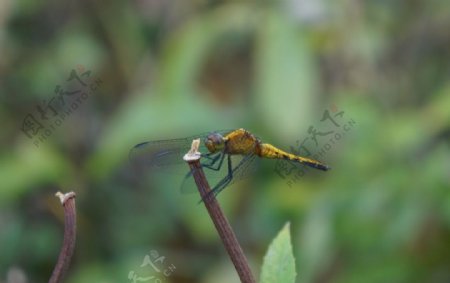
(279, 262)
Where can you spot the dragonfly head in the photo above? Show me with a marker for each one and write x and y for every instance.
(215, 142)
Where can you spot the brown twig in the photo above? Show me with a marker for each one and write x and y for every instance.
(70, 227)
(220, 221)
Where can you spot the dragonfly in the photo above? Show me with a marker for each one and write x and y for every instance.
(217, 148)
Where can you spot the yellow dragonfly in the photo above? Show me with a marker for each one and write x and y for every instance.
(216, 147)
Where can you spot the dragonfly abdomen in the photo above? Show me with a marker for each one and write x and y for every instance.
(270, 151)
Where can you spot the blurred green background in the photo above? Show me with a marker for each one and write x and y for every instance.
(171, 69)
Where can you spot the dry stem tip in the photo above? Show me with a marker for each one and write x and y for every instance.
(64, 197)
(193, 153)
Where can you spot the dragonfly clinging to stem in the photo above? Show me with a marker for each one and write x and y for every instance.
(216, 147)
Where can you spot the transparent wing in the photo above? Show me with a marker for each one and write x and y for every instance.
(161, 153)
(165, 158)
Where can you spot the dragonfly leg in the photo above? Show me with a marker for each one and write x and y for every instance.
(210, 156)
(231, 172)
(219, 165)
(211, 164)
(212, 160)
(225, 181)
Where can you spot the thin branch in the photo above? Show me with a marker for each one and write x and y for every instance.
(215, 212)
(70, 228)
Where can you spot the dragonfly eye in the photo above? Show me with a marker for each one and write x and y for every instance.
(214, 142)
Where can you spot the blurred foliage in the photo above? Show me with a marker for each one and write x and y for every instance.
(176, 68)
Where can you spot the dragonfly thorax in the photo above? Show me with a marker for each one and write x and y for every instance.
(215, 142)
